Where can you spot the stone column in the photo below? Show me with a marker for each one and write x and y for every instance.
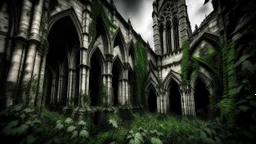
(60, 89)
(84, 98)
(157, 38)
(74, 88)
(126, 83)
(41, 78)
(172, 38)
(70, 89)
(53, 91)
(185, 99)
(108, 80)
(14, 74)
(164, 40)
(160, 101)
(30, 79)
(122, 96)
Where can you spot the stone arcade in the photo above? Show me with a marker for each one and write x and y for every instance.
(48, 58)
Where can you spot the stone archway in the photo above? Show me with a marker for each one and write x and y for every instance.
(174, 98)
(152, 101)
(62, 38)
(131, 81)
(116, 76)
(95, 80)
(201, 97)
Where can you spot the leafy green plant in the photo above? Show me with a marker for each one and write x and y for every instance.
(144, 136)
(20, 124)
(140, 70)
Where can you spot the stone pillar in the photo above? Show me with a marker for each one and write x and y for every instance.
(84, 98)
(172, 38)
(53, 100)
(15, 70)
(157, 39)
(164, 40)
(74, 88)
(14, 73)
(126, 83)
(30, 79)
(108, 80)
(186, 99)
(60, 89)
(184, 24)
(69, 102)
(41, 78)
(161, 104)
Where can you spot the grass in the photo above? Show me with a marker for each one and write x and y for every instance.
(175, 129)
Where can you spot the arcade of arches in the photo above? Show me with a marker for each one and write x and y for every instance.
(62, 65)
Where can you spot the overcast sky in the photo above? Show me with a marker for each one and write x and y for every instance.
(140, 14)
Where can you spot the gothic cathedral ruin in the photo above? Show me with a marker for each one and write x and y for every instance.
(83, 56)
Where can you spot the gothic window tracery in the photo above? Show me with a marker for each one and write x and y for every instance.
(176, 34)
(168, 37)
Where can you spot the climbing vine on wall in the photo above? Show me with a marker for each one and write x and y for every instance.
(185, 61)
(140, 70)
(97, 11)
(226, 105)
(188, 66)
(220, 64)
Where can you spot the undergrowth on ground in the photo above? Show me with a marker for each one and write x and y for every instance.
(23, 125)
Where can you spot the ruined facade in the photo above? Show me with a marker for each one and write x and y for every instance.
(61, 54)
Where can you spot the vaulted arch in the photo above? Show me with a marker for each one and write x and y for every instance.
(118, 40)
(72, 15)
(210, 38)
(131, 54)
(95, 49)
(176, 34)
(95, 79)
(171, 76)
(201, 91)
(64, 37)
(117, 70)
(161, 30)
(151, 99)
(175, 100)
(102, 30)
(168, 37)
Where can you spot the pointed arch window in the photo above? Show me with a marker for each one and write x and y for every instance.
(161, 30)
(168, 37)
(176, 34)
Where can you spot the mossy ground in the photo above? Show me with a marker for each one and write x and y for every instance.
(175, 129)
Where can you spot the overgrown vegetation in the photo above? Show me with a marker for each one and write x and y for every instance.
(23, 125)
(141, 64)
(98, 11)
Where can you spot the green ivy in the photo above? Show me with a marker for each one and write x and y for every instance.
(140, 70)
(220, 64)
(185, 61)
(97, 11)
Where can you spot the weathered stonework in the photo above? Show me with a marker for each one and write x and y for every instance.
(80, 74)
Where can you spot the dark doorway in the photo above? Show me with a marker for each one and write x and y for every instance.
(175, 99)
(131, 77)
(95, 80)
(152, 101)
(115, 81)
(62, 38)
(201, 97)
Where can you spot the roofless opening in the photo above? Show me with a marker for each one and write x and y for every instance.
(62, 38)
(95, 80)
(175, 99)
(201, 99)
(152, 101)
(116, 81)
